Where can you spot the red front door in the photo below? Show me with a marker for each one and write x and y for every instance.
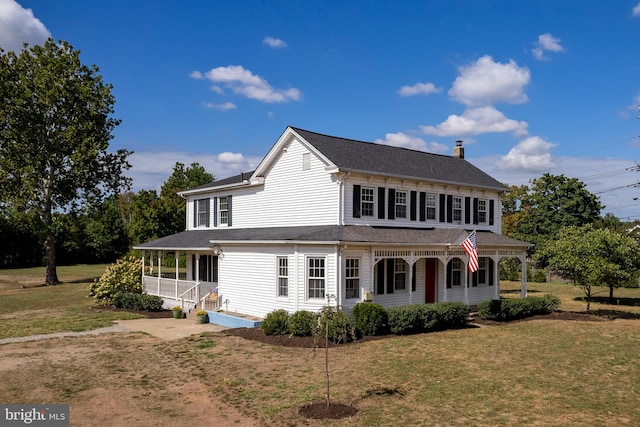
(431, 271)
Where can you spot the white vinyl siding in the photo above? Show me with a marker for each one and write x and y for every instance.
(290, 195)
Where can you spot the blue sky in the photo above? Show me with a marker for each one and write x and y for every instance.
(531, 87)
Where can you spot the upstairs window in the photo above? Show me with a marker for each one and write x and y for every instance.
(223, 210)
(367, 201)
(482, 211)
(457, 209)
(201, 213)
(401, 204)
(430, 201)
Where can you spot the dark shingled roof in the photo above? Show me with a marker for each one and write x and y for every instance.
(199, 239)
(367, 157)
(352, 155)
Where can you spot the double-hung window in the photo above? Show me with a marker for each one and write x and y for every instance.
(283, 276)
(430, 201)
(400, 274)
(367, 201)
(201, 216)
(316, 277)
(401, 204)
(352, 278)
(457, 208)
(223, 210)
(455, 276)
(482, 211)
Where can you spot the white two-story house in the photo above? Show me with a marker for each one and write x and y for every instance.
(325, 220)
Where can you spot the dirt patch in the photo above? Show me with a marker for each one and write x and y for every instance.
(333, 411)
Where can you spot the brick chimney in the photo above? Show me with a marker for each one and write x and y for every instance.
(458, 150)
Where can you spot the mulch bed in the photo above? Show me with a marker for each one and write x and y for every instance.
(256, 334)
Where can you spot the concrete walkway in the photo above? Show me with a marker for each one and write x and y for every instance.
(169, 328)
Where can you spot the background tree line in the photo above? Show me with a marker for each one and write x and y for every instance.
(100, 231)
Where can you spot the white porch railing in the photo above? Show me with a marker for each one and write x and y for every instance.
(186, 291)
(210, 301)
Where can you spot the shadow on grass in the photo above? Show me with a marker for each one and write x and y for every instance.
(517, 291)
(630, 302)
(616, 314)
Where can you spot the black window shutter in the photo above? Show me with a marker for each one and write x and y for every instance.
(195, 213)
(413, 277)
(229, 211)
(491, 209)
(390, 276)
(423, 206)
(381, 202)
(391, 214)
(449, 274)
(413, 205)
(380, 278)
(208, 210)
(467, 210)
(215, 211)
(442, 208)
(193, 267)
(449, 208)
(356, 201)
(474, 278)
(475, 210)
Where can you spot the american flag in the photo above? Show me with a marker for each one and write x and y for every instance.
(471, 248)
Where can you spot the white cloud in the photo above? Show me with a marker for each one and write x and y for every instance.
(151, 169)
(274, 43)
(475, 121)
(245, 83)
(532, 154)
(486, 82)
(222, 107)
(546, 43)
(636, 10)
(401, 139)
(19, 25)
(419, 89)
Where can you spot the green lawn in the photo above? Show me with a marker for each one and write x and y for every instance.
(28, 308)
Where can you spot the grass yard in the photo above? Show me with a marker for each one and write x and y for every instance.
(29, 308)
(537, 372)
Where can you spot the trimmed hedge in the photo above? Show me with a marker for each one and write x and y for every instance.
(136, 301)
(370, 319)
(417, 318)
(517, 308)
(276, 323)
(302, 323)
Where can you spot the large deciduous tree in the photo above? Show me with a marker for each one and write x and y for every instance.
(550, 203)
(593, 257)
(55, 126)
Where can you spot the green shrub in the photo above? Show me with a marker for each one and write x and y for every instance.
(123, 276)
(517, 308)
(275, 323)
(416, 318)
(405, 319)
(370, 319)
(340, 325)
(302, 323)
(134, 301)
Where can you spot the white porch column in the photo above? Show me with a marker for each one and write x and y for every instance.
(296, 279)
(159, 254)
(144, 254)
(523, 286)
(176, 255)
(411, 264)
